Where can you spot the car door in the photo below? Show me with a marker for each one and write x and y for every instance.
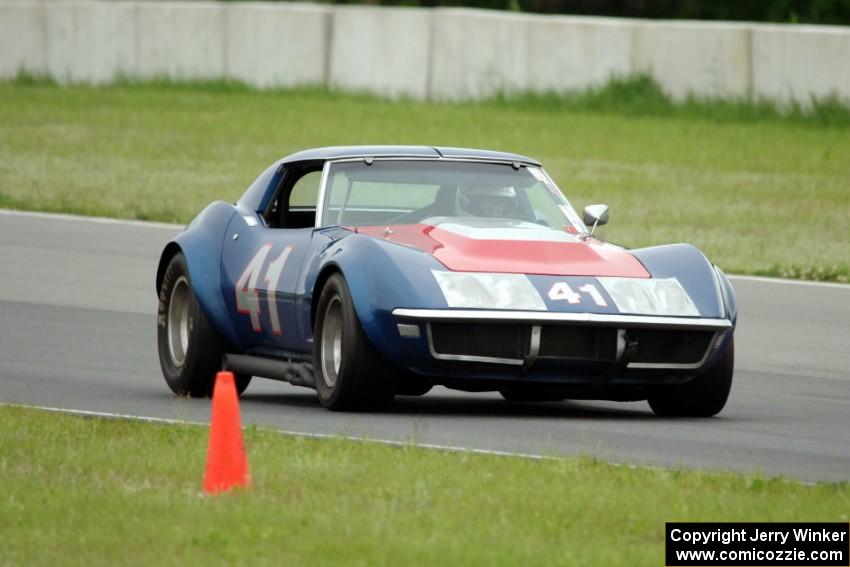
(262, 260)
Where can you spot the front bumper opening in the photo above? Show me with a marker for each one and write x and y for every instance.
(523, 344)
(471, 342)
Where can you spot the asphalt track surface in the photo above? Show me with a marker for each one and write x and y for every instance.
(77, 331)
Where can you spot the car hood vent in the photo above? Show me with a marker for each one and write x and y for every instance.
(513, 250)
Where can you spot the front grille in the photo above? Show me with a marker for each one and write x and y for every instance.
(477, 340)
(497, 342)
(588, 343)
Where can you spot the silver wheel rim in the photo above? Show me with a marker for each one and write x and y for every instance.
(332, 342)
(178, 321)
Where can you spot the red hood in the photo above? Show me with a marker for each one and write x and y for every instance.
(512, 250)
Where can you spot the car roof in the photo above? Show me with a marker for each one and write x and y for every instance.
(342, 152)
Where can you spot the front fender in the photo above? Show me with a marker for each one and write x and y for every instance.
(693, 270)
(727, 292)
(383, 276)
(201, 244)
(707, 286)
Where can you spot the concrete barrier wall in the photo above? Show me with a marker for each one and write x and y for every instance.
(801, 62)
(478, 53)
(571, 53)
(385, 51)
(274, 45)
(77, 34)
(23, 38)
(709, 59)
(442, 54)
(179, 40)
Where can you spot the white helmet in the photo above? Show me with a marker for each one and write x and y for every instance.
(484, 201)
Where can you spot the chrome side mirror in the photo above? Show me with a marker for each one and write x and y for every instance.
(595, 215)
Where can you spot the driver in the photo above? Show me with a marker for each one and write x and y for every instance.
(489, 202)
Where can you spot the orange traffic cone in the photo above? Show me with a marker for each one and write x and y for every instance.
(227, 465)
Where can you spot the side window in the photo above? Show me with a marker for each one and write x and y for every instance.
(300, 211)
(305, 193)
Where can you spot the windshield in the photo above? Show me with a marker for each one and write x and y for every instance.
(393, 192)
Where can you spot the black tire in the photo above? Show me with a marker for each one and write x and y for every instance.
(190, 351)
(704, 396)
(350, 373)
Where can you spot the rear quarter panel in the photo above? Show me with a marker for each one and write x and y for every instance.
(201, 244)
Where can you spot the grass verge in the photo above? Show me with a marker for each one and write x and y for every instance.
(91, 491)
(762, 190)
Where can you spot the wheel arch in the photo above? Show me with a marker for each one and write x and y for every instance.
(201, 245)
(171, 249)
(380, 277)
(324, 275)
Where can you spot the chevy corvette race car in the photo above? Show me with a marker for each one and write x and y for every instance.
(374, 271)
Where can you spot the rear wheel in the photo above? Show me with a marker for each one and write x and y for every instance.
(350, 373)
(704, 396)
(190, 351)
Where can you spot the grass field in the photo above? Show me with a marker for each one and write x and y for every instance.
(95, 492)
(759, 192)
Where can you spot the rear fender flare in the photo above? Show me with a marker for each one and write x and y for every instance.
(201, 245)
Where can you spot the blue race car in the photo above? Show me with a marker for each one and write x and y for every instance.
(373, 271)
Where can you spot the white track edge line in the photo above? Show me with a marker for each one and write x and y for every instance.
(85, 218)
(390, 442)
(310, 435)
(162, 225)
(788, 281)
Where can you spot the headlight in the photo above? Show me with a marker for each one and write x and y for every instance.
(650, 297)
(488, 291)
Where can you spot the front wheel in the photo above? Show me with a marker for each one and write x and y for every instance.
(704, 396)
(350, 373)
(190, 351)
